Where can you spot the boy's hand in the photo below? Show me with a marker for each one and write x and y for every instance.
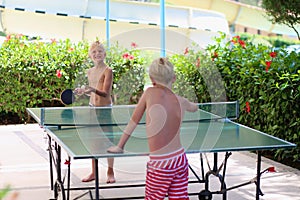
(115, 149)
(88, 90)
(79, 91)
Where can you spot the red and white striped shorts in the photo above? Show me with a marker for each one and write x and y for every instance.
(167, 175)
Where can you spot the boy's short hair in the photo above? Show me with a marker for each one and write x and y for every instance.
(96, 44)
(162, 70)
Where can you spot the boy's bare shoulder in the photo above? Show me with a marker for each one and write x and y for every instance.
(188, 105)
(151, 89)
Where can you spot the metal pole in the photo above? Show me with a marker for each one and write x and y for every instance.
(107, 24)
(162, 29)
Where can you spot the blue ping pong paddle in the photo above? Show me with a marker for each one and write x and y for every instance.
(68, 96)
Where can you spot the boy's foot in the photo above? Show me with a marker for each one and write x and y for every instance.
(89, 178)
(110, 178)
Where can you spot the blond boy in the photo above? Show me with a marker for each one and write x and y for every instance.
(100, 78)
(167, 169)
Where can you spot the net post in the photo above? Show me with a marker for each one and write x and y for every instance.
(42, 116)
(237, 109)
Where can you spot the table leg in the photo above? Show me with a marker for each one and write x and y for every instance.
(96, 179)
(50, 162)
(258, 175)
(69, 178)
(215, 168)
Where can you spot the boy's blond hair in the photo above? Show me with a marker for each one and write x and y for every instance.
(162, 70)
(95, 45)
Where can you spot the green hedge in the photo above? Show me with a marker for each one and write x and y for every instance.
(267, 84)
(36, 72)
(274, 41)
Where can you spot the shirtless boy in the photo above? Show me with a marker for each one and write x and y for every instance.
(100, 78)
(167, 168)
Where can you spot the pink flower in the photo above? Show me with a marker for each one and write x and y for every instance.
(128, 56)
(186, 51)
(53, 41)
(58, 73)
(133, 45)
(19, 36)
(131, 57)
(125, 55)
(8, 37)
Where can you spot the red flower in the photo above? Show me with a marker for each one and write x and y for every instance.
(271, 169)
(186, 51)
(67, 162)
(268, 65)
(273, 54)
(128, 56)
(70, 49)
(247, 108)
(58, 73)
(133, 45)
(125, 55)
(242, 43)
(215, 56)
(235, 39)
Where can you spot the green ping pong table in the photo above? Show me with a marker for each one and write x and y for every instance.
(87, 132)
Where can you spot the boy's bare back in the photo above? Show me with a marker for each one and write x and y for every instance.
(164, 113)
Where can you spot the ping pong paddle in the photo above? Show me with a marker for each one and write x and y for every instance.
(68, 96)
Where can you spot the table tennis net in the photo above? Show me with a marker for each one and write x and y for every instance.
(120, 115)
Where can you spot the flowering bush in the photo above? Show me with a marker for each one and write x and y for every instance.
(267, 84)
(196, 76)
(129, 73)
(35, 72)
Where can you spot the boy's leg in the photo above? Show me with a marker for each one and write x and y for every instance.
(157, 184)
(179, 185)
(91, 176)
(110, 171)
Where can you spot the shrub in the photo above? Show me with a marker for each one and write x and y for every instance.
(35, 72)
(267, 84)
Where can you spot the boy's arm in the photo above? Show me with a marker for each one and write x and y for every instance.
(124, 138)
(136, 117)
(189, 106)
(106, 87)
(90, 89)
(192, 107)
